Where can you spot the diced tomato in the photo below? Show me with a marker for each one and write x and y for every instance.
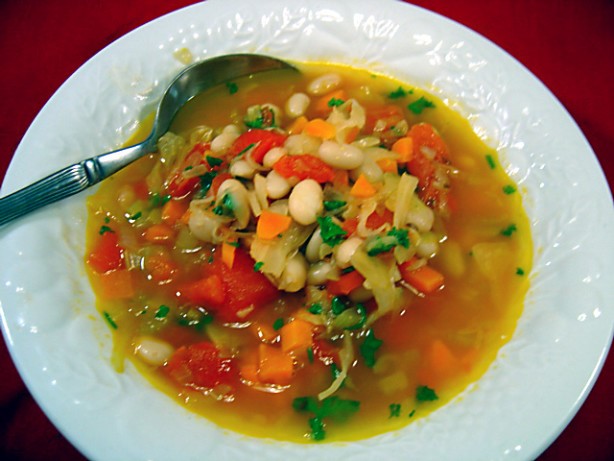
(200, 366)
(262, 141)
(304, 166)
(326, 352)
(179, 185)
(107, 254)
(379, 218)
(350, 225)
(428, 164)
(232, 294)
(346, 283)
(217, 182)
(388, 116)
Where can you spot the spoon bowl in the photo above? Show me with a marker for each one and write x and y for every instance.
(188, 83)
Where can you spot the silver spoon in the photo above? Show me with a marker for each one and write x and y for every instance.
(79, 176)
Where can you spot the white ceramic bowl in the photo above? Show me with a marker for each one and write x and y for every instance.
(61, 345)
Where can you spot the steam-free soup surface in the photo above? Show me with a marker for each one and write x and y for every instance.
(318, 256)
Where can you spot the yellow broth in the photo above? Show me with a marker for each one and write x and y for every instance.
(485, 255)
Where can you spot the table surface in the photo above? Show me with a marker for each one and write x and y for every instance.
(568, 45)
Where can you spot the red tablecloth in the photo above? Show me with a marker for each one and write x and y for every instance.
(567, 44)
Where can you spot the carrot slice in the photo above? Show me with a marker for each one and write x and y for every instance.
(405, 148)
(424, 279)
(173, 210)
(388, 165)
(362, 188)
(298, 125)
(159, 233)
(228, 254)
(323, 104)
(346, 283)
(320, 129)
(271, 224)
(296, 336)
(275, 366)
(115, 284)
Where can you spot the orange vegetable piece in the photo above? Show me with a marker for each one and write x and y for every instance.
(161, 268)
(275, 366)
(424, 279)
(439, 364)
(249, 372)
(116, 284)
(296, 336)
(352, 134)
(206, 290)
(264, 332)
(297, 125)
(350, 225)
(362, 188)
(346, 283)
(378, 219)
(107, 254)
(159, 233)
(228, 254)
(271, 224)
(405, 148)
(173, 210)
(388, 165)
(320, 129)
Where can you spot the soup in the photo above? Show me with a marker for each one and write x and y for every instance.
(323, 255)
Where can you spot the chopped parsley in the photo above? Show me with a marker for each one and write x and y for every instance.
(399, 93)
(509, 189)
(277, 324)
(258, 265)
(249, 146)
(310, 354)
(105, 229)
(330, 205)
(195, 319)
(386, 243)
(425, 394)
(362, 311)
(109, 320)
(395, 410)
(509, 230)
(315, 308)
(369, 347)
(337, 306)
(162, 312)
(134, 217)
(226, 207)
(156, 200)
(520, 271)
(232, 87)
(412, 413)
(491, 161)
(335, 102)
(420, 104)
(333, 407)
(205, 182)
(332, 234)
(214, 161)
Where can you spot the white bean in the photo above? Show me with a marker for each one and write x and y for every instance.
(205, 226)
(222, 142)
(319, 272)
(276, 185)
(324, 84)
(271, 157)
(232, 129)
(153, 350)
(344, 252)
(240, 199)
(294, 276)
(306, 202)
(297, 104)
(342, 156)
(242, 169)
(312, 250)
(297, 144)
(428, 245)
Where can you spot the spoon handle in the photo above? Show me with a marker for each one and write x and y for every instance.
(66, 182)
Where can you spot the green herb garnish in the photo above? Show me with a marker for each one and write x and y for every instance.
(369, 347)
(205, 182)
(213, 161)
(330, 205)
(399, 93)
(420, 104)
(310, 354)
(277, 324)
(425, 394)
(519, 271)
(395, 410)
(315, 308)
(331, 233)
(226, 207)
(105, 229)
(509, 230)
(156, 200)
(337, 306)
(491, 161)
(509, 189)
(134, 217)
(333, 407)
(335, 102)
(232, 87)
(109, 320)
(386, 243)
(258, 265)
(162, 312)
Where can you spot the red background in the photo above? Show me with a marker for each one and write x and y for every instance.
(567, 44)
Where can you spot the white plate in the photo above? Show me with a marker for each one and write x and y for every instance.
(540, 378)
